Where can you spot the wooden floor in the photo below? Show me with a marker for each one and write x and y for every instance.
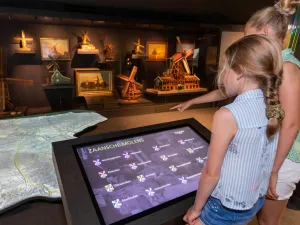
(290, 217)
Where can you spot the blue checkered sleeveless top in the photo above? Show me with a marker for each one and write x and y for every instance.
(249, 159)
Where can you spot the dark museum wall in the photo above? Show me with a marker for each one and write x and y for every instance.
(30, 66)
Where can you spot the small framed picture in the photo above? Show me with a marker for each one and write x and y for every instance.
(92, 81)
(55, 47)
(185, 46)
(157, 51)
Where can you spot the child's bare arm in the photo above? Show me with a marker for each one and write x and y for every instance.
(212, 96)
(224, 128)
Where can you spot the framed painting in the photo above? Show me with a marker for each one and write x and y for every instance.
(211, 56)
(54, 47)
(157, 51)
(184, 47)
(92, 81)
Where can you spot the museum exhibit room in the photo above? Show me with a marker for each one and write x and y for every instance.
(110, 112)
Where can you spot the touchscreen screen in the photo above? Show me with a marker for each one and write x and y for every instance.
(132, 175)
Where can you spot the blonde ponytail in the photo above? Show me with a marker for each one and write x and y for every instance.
(265, 68)
(288, 6)
(275, 112)
(274, 17)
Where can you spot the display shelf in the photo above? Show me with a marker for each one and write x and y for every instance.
(88, 51)
(137, 56)
(24, 52)
(140, 101)
(174, 92)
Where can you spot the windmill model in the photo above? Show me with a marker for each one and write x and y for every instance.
(178, 76)
(23, 42)
(108, 50)
(57, 77)
(179, 67)
(138, 47)
(85, 46)
(130, 90)
(4, 81)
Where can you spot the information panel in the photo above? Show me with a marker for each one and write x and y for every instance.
(132, 175)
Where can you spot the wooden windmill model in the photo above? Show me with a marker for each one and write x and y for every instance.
(57, 77)
(130, 90)
(180, 67)
(23, 42)
(4, 81)
(138, 47)
(108, 50)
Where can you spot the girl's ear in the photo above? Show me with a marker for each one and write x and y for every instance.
(266, 30)
(240, 72)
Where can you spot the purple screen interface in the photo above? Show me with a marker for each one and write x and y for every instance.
(132, 175)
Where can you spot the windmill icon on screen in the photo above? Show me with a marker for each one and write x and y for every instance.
(97, 162)
(133, 166)
(164, 158)
(103, 174)
(181, 142)
(183, 180)
(150, 192)
(141, 178)
(156, 148)
(201, 160)
(117, 204)
(109, 188)
(190, 150)
(173, 168)
(126, 155)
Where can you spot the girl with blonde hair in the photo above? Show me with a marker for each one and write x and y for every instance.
(244, 139)
(273, 22)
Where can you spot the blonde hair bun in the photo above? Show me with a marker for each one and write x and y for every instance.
(286, 7)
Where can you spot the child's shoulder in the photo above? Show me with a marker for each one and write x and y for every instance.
(224, 121)
(224, 114)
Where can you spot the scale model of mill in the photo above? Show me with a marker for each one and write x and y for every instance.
(131, 89)
(178, 76)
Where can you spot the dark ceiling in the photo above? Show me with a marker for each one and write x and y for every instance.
(197, 11)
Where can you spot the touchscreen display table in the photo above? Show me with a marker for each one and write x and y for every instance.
(130, 177)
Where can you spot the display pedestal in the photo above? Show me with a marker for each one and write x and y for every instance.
(88, 51)
(17, 111)
(60, 97)
(174, 92)
(106, 102)
(24, 52)
(139, 102)
(134, 56)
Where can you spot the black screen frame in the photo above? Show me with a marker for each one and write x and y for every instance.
(72, 146)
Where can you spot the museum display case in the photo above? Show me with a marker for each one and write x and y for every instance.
(76, 80)
(107, 68)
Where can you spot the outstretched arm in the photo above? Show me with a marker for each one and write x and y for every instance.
(212, 96)
(289, 94)
(224, 128)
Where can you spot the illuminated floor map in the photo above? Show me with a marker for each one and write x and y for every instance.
(26, 168)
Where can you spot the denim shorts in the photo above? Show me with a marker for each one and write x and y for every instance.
(214, 213)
